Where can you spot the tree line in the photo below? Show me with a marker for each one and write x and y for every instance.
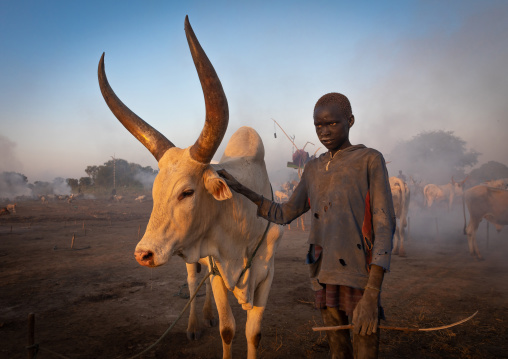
(118, 172)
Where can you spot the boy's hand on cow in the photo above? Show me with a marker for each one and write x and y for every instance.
(230, 180)
(366, 313)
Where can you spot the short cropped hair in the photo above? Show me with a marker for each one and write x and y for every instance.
(335, 98)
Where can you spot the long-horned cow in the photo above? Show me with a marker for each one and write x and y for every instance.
(484, 202)
(434, 193)
(401, 197)
(195, 214)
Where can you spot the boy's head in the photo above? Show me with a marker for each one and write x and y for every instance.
(333, 118)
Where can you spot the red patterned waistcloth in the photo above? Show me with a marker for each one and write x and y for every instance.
(336, 296)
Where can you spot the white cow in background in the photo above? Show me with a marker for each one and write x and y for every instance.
(140, 198)
(281, 196)
(434, 193)
(484, 202)
(401, 197)
(195, 215)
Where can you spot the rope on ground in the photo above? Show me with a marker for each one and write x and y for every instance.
(37, 347)
(185, 295)
(176, 320)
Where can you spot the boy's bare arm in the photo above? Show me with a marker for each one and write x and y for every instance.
(280, 213)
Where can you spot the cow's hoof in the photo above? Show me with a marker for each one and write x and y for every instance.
(402, 254)
(395, 252)
(194, 335)
(211, 322)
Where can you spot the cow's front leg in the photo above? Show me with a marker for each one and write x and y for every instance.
(208, 314)
(194, 327)
(255, 315)
(226, 319)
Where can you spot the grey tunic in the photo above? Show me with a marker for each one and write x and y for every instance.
(337, 199)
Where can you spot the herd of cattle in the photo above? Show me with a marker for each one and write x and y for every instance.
(488, 200)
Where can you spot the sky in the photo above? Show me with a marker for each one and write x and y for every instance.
(406, 66)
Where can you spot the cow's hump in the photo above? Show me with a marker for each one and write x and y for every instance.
(245, 142)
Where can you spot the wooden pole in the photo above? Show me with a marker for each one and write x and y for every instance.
(487, 234)
(31, 335)
(408, 228)
(83, 224)
(289, 138)
(73, 237)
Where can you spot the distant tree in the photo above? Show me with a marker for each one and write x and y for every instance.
(73, 183)
(126, 174)
(491, 170)
(92, 171)
(85, 181)
(433, 156)
(42, 188)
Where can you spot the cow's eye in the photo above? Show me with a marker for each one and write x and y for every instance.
(185, 194)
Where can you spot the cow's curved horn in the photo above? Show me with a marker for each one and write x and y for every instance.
(217, 113)
(152, 139)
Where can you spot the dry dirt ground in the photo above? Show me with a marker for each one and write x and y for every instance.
(96, 302)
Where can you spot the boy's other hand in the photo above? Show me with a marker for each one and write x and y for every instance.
(366, 313)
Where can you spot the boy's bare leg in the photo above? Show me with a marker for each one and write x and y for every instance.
(366, 346)
(339, 340)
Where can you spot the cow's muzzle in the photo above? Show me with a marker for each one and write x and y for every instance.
(145, 258)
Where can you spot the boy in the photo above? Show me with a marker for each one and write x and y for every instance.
(353, 222)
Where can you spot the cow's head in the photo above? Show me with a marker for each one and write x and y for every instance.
(186, 185)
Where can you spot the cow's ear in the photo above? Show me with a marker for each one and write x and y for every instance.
(216, 186)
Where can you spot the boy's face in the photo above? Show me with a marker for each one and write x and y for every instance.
(332, 127)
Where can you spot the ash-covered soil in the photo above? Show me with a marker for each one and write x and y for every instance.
(95, 301)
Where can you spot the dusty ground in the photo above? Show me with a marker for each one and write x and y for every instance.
(97, 302)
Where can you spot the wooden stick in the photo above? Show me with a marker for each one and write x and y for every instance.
(351, 326)
(31, 335)
(83, 224)
(72, 243)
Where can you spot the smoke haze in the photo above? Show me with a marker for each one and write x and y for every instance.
(407, 67)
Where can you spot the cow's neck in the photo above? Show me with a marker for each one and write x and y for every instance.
(233, 238)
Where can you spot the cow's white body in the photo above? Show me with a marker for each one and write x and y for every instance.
(401, 197)
(485, 202)
(228, 230)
